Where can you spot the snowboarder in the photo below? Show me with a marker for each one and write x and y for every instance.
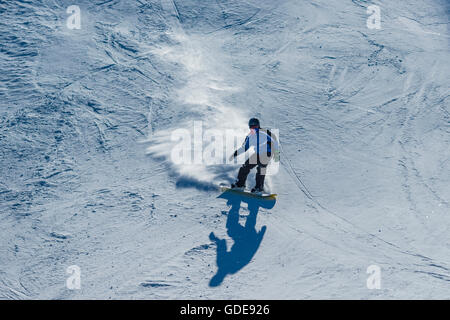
(266, 147)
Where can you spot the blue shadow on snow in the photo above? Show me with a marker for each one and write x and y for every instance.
(246, 239)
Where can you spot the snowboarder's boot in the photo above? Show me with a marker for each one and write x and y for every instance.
(257, 190)
(236, 185)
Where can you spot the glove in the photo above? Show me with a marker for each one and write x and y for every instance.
(276, 156)
(234, 155)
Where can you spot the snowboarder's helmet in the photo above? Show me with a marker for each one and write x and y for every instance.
(253, 122)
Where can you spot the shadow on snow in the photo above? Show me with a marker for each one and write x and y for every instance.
(246, 239)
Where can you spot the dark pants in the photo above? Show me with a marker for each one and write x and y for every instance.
(252, 162)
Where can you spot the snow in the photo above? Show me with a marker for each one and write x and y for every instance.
(87, 177)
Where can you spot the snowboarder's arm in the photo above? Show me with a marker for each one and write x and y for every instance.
(274, 146)
(242, 148)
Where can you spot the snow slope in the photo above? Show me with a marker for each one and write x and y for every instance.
(86, 176)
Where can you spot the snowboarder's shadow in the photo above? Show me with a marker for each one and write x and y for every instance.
(246, 239)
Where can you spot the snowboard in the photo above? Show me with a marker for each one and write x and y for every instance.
(247, 193)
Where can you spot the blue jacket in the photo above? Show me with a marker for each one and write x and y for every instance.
(262, 140)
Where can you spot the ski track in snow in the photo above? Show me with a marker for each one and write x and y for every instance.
(87, 176)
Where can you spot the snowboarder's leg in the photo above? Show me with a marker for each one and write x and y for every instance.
(260, 176)
(243, 173)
